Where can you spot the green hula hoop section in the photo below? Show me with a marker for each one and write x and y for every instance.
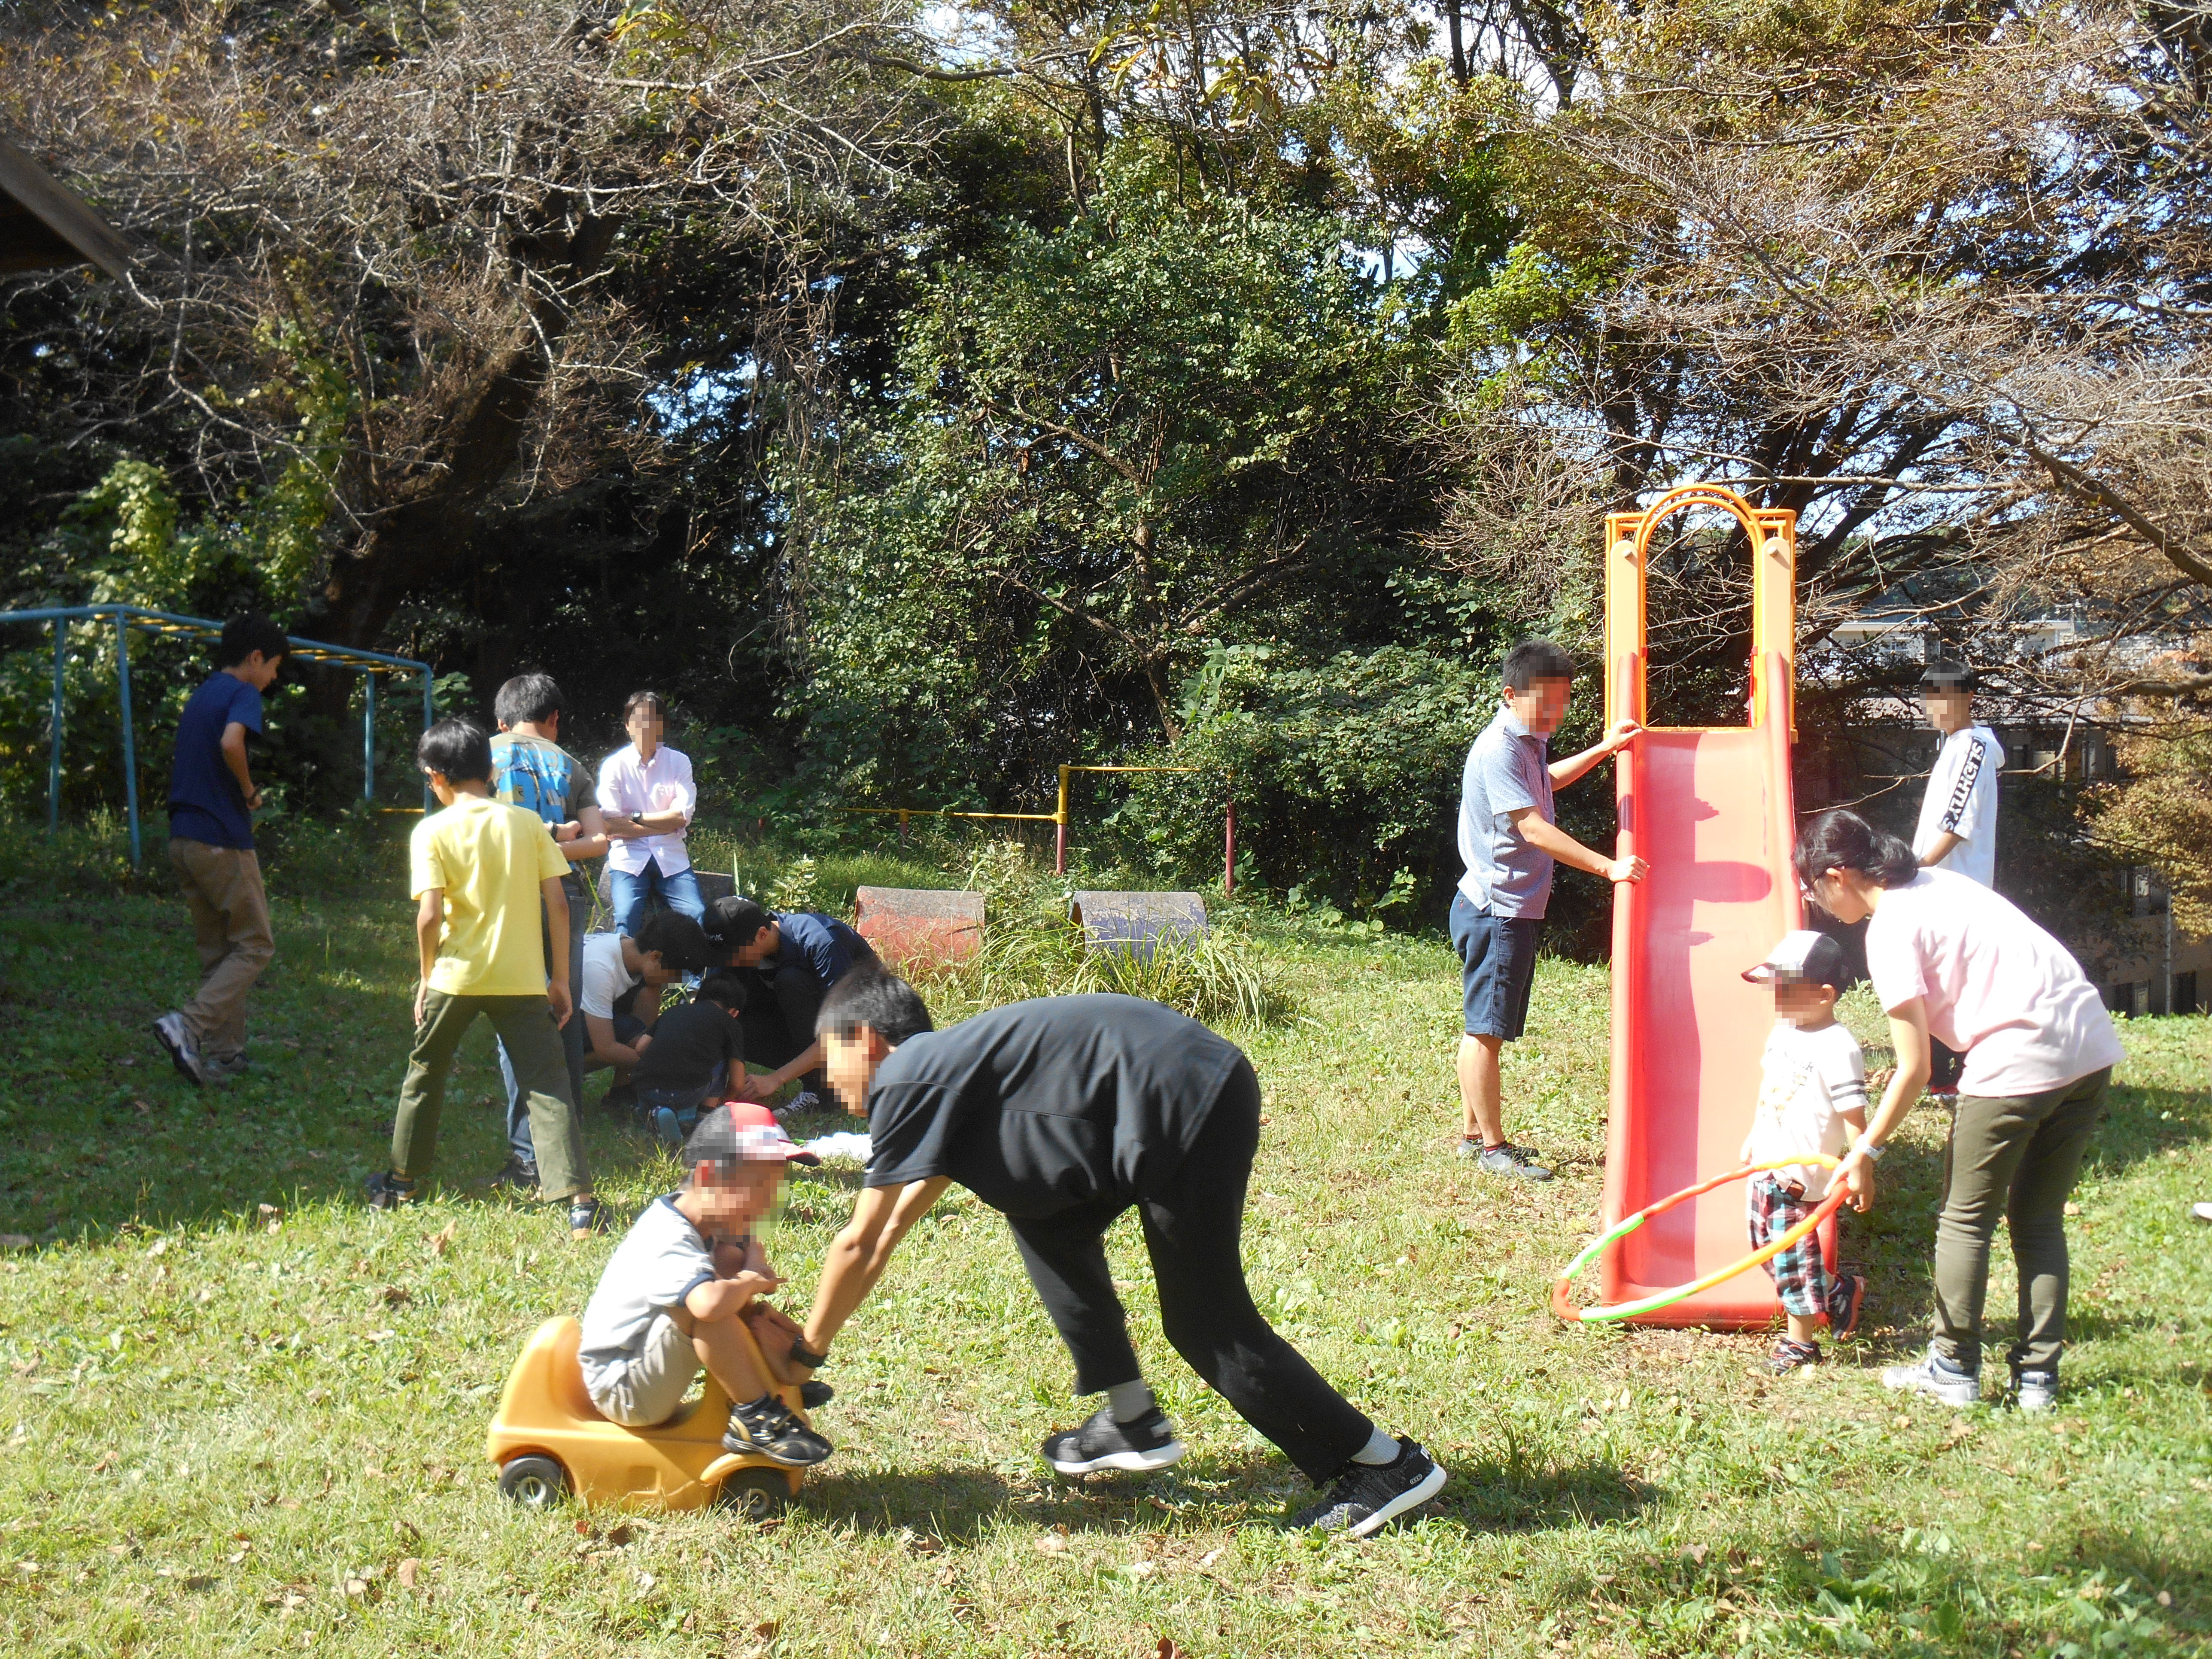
(1565, 1308)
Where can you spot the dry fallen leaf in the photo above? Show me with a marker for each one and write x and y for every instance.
(1052, 1543)
(407, 1571)
(269, 1211)
(618, 1534)
(442, 1240)
(1697, 1553)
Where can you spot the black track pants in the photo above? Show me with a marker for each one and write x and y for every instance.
(1192, 1229)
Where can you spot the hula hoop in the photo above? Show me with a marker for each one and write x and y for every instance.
(1620, 1230)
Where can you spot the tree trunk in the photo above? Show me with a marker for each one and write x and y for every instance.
(426, 522)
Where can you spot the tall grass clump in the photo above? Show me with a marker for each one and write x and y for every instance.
(1030, 948)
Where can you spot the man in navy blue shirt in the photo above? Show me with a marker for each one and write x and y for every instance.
(211, 801)
(798, 954)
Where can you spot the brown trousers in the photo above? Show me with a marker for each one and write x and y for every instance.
(230, 926)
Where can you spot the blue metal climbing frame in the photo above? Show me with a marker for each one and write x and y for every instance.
(169, 625)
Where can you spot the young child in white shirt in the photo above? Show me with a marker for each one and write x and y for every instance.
(1812, 1088)
(691, 1269)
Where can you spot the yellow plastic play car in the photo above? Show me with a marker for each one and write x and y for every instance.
(548, 1440)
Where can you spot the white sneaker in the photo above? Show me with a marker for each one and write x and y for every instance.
(2035, 1391)
(184, 1054)
(1937, 1377)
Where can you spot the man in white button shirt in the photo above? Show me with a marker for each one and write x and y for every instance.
(646, 797)
(1958, 828)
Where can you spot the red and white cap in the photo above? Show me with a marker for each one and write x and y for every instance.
(741, 1132)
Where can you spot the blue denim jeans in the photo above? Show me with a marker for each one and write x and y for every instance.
(626, 894)
(572, 1040)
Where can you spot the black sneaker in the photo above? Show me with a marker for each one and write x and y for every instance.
(587, 1216)
(767, 1429)
(1789, 1356)
(387, 1191)
(1367, 1496)
(1142, 1443)
(620, 1102)
(815, 1395)
(520, 1175)
(1844, 1305)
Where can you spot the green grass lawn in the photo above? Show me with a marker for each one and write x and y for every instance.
(241, 1414)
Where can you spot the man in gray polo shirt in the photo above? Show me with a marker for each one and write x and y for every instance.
(1509, 843)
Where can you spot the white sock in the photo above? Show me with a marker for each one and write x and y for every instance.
(1380, 1449)
(1128, 1401)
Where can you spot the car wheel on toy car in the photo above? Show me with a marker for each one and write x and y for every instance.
(536, 1483)
(755, 1494)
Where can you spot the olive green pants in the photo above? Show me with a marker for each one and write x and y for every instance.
(2016, 1157)
(525, 1027)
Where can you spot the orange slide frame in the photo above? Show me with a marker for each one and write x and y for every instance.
(1711, 808)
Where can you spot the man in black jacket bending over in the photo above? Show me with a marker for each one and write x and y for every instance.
(1062, 1113)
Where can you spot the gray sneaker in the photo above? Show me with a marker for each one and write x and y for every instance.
(183, 1054)
(2035, 1391)
(226, 1068)
(1505, 1160)
(1937, 1377)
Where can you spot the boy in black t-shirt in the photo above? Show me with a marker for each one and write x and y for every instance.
(698, 1050)
(1063, 1113)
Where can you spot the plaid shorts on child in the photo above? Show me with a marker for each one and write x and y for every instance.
(1800, 1276)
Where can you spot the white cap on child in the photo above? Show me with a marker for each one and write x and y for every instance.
(1803, 956)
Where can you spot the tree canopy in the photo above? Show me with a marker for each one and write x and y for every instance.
(928, 395)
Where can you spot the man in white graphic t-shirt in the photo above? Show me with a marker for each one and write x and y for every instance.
(1958, 827)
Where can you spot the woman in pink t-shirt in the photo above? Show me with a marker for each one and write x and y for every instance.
(1950, 959)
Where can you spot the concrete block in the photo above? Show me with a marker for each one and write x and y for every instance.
(1138, 922)
(915, 924)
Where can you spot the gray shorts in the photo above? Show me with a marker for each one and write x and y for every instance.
(650, 1387)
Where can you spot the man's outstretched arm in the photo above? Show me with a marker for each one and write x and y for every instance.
(1565, 772)
(859, 1254)
(1550, 838)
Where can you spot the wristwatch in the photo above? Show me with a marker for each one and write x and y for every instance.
(1873, 1152)
(803, 1355)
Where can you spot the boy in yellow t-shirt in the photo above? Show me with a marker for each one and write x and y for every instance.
(482, 873)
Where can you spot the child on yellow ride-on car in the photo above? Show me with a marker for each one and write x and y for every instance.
(690, 1267)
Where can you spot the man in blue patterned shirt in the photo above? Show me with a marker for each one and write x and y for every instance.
(530, 769)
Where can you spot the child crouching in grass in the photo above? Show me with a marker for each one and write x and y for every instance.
(692, 1268)
(698, 1055)
(1812, 1084)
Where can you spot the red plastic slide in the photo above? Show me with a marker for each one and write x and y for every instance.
(1712, 809)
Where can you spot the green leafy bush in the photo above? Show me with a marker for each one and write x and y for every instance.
(1345, 775)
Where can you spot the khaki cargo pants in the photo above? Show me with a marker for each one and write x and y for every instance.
(230, 926)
